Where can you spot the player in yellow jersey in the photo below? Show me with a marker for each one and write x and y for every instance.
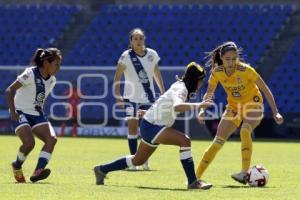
(245, 104)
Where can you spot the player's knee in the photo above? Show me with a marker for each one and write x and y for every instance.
(51, 141)
(186, 142)
(29, 145)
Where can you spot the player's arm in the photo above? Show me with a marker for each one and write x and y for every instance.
(117, 78)
(208, 96)
(10, 94)
(270, 98)
(179, 97)
(182, 107)
(209, 92)
(158, 79)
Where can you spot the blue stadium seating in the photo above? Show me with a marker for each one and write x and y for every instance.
(23, 29)
(284, 82)
(26, 27)
(179, 33)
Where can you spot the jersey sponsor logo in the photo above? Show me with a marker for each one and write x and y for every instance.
(234, 89)
(143, 76)
(236, 94)
(40, 99)
(38, 81)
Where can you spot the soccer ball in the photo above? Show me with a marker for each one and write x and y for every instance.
(257, 176)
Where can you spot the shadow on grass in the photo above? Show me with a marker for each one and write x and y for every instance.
(148, 188)
(243, 186)
(157, 188)
(140, 170)
(28, 183)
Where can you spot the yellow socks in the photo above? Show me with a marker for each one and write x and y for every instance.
(246, 146)
(209, 155)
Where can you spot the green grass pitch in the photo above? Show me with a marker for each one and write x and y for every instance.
(73, 159)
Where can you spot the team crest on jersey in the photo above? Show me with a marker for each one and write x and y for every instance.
(150, 58)
(143, 76)
(256, 99)
(40, 99)
(38, 81)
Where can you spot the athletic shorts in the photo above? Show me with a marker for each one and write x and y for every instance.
(29, 120)
(149, 132)
(132, 108)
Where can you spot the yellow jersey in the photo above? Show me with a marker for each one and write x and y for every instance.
(240, 87)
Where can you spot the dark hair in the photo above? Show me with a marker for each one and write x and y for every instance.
(214, 57)
(131, 35)
(49, 54)
(191, 77)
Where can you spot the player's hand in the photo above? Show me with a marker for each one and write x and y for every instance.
(201, 117)
(14, 116)
(120, 102)
(141, 113)
(278, 118)
(205, 104)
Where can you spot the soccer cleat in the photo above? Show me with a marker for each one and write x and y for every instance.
(240, 177)
(18, 174)
(199, 184)
(99, 175)
(40, 174)
(133, 168)
(146, 166)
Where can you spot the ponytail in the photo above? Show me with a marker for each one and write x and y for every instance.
(214, 57)
(49, 54)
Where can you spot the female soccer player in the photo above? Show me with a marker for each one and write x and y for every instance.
(26, 97)
(156, 128)
(139, 65)
(245, 104)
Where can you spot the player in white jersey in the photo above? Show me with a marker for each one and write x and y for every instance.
(26, 97)
(156, 128)
(139, 66)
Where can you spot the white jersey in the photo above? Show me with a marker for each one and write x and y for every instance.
(34, 91)
(133, 89)
(162, 111)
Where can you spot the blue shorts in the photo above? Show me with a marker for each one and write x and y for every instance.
(149, 132)
(132, 108)
(29, 120)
